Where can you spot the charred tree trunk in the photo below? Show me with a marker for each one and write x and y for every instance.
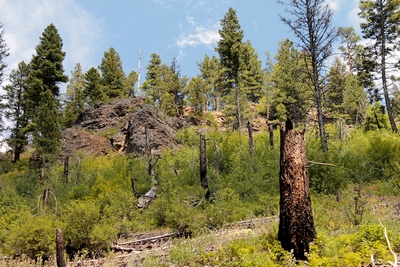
(203, 166)
(152, 163)
(60, 249)
(133, 187)
(251, 139)
(66, 167)
(271, 135)
(296, 223)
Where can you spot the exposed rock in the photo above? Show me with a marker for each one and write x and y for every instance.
(160, 133)
(74, 140)
(119, 125)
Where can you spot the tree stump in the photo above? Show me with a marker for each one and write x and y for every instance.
(296, 223)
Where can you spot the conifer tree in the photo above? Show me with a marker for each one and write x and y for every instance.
(197, 95)
(355, 100)
(113, 76)
(150, 86)
(210, 70)
(336, 80)
(350, 47)
(41, 98)
(229, 48)
(380, 26)
(3, 53)
(74, 98)
(93, 90)
(130, 81)
(15, 108)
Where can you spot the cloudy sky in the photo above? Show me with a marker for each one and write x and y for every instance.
(186, 29)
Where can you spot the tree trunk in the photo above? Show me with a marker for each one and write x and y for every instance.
(238, 115)
(46, 197)
(152, 163)
(296, 223)
(251, 139)
(66, 167)
(60, 249)
(203, 165)
(271, 135)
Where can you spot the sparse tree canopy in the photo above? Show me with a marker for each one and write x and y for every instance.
(311, 22)
(3, 53)
(381, 29)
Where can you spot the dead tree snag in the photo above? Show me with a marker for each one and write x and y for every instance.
(203, 166)
(60, 249)
(296, 223)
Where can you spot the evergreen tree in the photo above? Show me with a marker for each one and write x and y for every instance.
(251, 74)
(229, 48)
(74, 98)
(113, 76)
(197, 95)
(311, 23)
(3, 53)
(43, 91)
(151, 85)
(336, 81)
(350, 47)
(130, 81)
(291, 94)
(355, 100)
(380, 26)
(93, 90)
(15, 108)
(210, 70)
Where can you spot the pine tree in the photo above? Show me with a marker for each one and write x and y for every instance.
(336, 81)
(251, 74)
(291, 95)
(130, 81)
(3, 53)
(93, 90)
(196, 93)
(15, 108)
(311, 23)
(150, 86)
(355, 100)
(350, 47)
(210, 70)
(113, 76)
(74, 98)
(381, 28)
(43, 91)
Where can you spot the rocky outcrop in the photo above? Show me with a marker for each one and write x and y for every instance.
(120, 125)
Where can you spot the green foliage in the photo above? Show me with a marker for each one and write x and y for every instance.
(31, 235)
(3, 53)
(93, 90)
(112, 75)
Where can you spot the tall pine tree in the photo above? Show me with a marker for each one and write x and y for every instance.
(93, 90)
(381, 27)
(15, 109)
(42, 96)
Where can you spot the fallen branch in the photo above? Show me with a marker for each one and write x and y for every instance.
(319, 163)
(117, 247)
(395, 264)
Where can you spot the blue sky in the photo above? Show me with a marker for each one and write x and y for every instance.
(186, 29)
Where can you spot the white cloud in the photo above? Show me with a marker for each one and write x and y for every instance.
(24, 22)
(334, 4)
(199, 35)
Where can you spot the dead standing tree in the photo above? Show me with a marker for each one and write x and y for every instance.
(296, 223)
(203, 166)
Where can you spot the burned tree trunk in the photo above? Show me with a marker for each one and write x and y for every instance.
(251, 139)
(203, 165)
(46, 197)
(296, 223)
(60, 249)
(66, 167)
(271, 135)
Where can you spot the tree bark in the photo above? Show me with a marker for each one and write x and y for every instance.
(296, 223)
(251, 139)
(203, 165)
(271, 135)
(66, 167)
(60, 249)
(46, 197)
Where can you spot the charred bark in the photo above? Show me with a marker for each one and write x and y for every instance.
(271, 135)
(251, 138)
(203, 166)
(60, 255)
(66, 167)
(296, 223)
